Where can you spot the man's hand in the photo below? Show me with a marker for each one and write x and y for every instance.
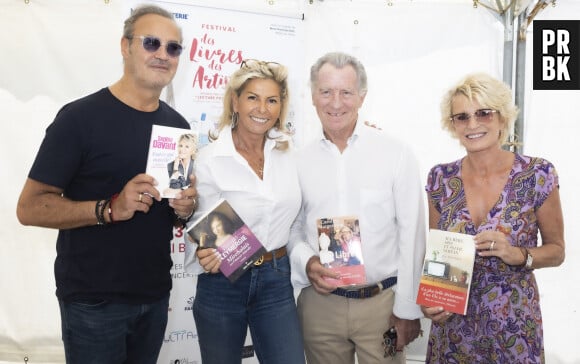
(316, 273)
(185, 201)
(137, 195)
(407, 330)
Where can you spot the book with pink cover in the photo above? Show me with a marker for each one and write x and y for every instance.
(170, 159)
(447, 270)
(340, 249)
(223, 229)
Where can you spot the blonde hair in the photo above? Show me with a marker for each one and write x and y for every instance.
(489, 93)
(250, 70)
(192, 139)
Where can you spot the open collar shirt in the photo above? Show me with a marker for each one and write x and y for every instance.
(267, 206)
(375, 178)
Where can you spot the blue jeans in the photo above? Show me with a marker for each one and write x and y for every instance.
(263, 299)
(113, 333)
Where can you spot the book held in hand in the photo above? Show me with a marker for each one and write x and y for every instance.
(223, 229)
(340, 249)
(170, 158)
(447, 270)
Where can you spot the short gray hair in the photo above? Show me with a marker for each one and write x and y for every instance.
(340, 60)
(143, 10)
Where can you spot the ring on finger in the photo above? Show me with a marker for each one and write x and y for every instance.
(141, 197)
(492, 245)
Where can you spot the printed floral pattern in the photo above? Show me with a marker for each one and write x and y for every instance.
(503, 323)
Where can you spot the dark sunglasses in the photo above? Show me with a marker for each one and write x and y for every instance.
(152, 44)
(480, 115)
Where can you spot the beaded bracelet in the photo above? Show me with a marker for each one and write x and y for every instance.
(99, 207)
(102, 211)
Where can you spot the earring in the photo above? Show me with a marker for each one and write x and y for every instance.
(234, 121)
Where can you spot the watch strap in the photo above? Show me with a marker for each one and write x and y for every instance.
(528, 258)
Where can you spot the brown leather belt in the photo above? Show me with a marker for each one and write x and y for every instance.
(278, 253)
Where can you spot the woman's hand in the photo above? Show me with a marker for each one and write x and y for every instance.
(209, 259)
(496, 244)
(436, 314)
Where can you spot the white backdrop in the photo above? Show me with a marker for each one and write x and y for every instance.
(55, 51)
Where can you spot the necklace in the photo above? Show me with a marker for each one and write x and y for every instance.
(255, 160)
(259, 170)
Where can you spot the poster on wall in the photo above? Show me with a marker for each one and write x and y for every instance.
(216, 41)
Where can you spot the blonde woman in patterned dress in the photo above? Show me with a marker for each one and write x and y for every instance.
(504, 199)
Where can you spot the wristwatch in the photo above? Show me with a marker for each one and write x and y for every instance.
(529, 259)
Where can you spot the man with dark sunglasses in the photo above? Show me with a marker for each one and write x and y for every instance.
(113, 260)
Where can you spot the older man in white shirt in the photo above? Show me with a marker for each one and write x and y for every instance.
(357, 170)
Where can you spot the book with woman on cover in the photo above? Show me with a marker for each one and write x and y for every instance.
(223, 229)
(447, 270)
(170, 160)
(340, 249)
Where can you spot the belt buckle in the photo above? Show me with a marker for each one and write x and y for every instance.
(376, 290)
(259, 261)
(362, 292)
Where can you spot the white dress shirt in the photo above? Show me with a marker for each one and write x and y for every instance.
(375, 178)
(267, 206)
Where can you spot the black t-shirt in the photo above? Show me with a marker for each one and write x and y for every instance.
(92, 149)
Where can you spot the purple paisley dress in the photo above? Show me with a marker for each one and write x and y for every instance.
(503, 323)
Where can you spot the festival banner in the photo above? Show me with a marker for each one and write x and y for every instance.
(215, 43)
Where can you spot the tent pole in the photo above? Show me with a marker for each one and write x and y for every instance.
(508, 49)
(520, 82)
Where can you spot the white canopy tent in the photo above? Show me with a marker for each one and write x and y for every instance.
(58, 50)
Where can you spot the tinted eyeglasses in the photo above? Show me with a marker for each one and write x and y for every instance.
(481, 115)
(253, 63)
(152, 44)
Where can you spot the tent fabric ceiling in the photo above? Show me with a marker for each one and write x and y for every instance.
(519, 6)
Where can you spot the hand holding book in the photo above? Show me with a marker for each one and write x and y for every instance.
(223, 231)
(320, 276)
(340, 250)
(446, 278)
(209, 259)
(170, 158)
